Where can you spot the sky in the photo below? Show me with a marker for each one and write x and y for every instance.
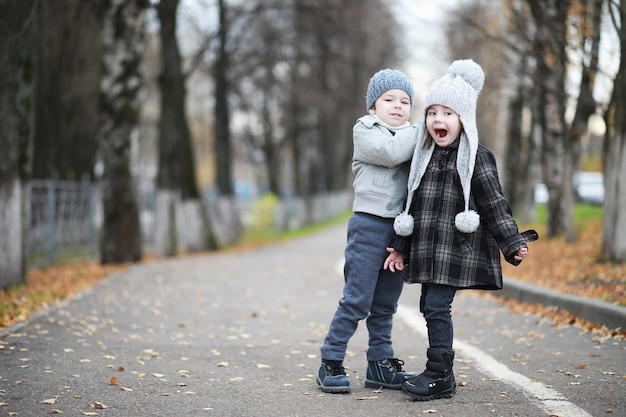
(426, 54)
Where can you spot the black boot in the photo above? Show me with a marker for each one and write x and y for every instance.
(437, 381)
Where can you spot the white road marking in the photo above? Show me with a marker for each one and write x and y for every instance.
(545, 398)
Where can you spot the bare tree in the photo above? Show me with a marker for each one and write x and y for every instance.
(296, 73)
(67, 73)
(588, 15)
(614, 220)
(303, 97)
(16, 66)
(550, 20)
(223, 154)
(123, 42)
(176, 181)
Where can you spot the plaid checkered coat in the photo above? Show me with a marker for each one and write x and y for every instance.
(441, 254)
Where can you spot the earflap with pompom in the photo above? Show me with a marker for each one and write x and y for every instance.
(403, 224)
(467, 221)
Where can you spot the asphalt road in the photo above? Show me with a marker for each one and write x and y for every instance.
(238, 334)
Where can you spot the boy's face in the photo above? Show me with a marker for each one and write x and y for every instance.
(393, 107)
(443, 124)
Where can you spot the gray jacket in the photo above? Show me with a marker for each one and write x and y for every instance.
(380, 164)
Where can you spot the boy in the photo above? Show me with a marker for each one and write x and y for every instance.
(383, 144)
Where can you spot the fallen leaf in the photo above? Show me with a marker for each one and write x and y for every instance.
(429, 411)
(222, 364)
(49, 401)
(55, 411)
(262, 366)
(113, 381)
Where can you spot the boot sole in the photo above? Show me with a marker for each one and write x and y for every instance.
(444, 394)
(377, 384)
(333, 389)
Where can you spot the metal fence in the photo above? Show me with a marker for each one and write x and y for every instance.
(65, 218)
(62, 220)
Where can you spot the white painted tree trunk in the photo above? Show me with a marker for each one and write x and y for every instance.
(227, 221)
(165, 236)
(614, 221)
(190, 226)
(11, 256)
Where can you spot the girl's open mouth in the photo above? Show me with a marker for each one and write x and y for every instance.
(441, 133)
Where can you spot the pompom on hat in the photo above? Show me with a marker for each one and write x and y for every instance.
(458, 90)
(385, 80)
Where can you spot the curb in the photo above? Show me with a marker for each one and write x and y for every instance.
(599, 312)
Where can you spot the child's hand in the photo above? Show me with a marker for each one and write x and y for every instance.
(395, 260)
(521, 254)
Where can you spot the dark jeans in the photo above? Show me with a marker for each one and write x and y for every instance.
(436, 306)
(369, 292)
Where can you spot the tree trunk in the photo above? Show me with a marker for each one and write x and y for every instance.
(222, 115)
(550, 17)
(69, 52)
(518, 155)
(16, 62)
(614, 220)
(222, 132)
(123, 41)
(177, 173)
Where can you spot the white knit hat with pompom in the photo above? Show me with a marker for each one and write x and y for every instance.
(458, 90)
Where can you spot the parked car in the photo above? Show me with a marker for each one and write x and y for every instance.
(589, 187)
(541, 193)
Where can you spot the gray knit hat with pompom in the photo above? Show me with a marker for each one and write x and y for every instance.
(385, 80)
(457, 90)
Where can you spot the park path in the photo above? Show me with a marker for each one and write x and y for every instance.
(238, 334)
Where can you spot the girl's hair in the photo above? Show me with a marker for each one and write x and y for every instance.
(428, 142)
